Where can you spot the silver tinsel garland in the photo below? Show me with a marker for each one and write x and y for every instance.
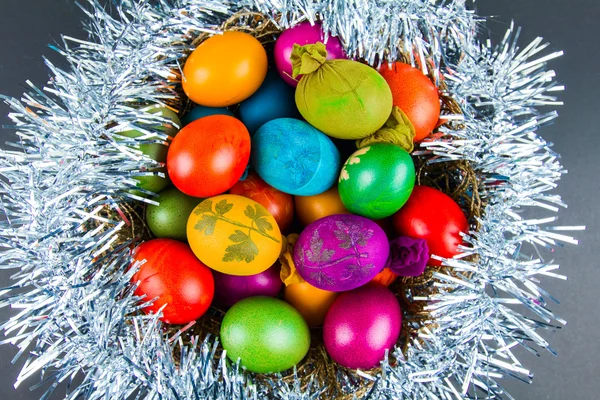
(75, 313)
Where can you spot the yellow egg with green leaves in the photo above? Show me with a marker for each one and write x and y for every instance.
(234, 235)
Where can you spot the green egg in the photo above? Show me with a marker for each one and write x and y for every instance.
(156, 151)
(267, 334)
(169, 218)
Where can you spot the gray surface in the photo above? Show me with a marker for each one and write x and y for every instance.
(27, 26)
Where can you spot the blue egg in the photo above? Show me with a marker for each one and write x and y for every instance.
(274, 99)
(203, 111)
(295, 157)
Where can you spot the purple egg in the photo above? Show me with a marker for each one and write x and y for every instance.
(229, 289)
(302, 34)
(341, 252)
(361, 325)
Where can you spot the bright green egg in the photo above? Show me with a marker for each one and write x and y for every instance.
(377, 180)
(156, 151)
(267, 334)
(169, 218)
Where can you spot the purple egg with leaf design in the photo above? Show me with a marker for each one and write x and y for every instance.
(341, 252)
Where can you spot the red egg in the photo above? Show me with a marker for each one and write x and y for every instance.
(360, 325)
(209, 155)
(172, 273)
(415, 95)
(433, 216)
(278, 203)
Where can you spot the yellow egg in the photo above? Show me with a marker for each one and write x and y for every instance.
(234, 235)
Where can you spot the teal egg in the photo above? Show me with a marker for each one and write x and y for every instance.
(204, 111)
(294, 157)
(377, 180)
(274, 99)
(268, 335)
(169, 218)
(156, 151)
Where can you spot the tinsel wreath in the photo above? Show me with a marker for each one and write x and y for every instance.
(75, 313)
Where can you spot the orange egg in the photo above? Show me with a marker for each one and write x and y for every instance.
(225, 69)
(414, 94)
(386, 277)
(311, 302)
(311, 208)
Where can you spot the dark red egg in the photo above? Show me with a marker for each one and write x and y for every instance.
(278, 203)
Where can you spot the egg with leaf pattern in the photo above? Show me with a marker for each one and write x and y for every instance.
(234, 235)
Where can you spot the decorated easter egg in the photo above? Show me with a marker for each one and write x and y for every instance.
(433, 216)
(377, 180)
(301, 34)
(415, 95)
(225, 69)
(280, 205)
(156, 151)
(202, 111)
(386, 277)
(294, 157)
(343, 98)
(311, 208)
(313, 303)
(341, 252)
(234, 235)
(209, 156)
(171, 272)
(361, 325)
(266, 334)
(169, 218)
(229, 289)
(274, 99)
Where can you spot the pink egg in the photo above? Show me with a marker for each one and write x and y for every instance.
(361, 325)
(229, 289)
(302, 34)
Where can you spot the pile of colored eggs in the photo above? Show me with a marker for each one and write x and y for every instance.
(254, 161)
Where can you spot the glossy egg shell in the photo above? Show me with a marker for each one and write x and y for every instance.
(234, 235)
(274, 99)
(361, 325)
(311, 208)
(209, 156)
(377, 180)
(341, 252)
(301, 34)
(225, 69)
(267, 334)
(433, 216)
(313, 303)
(279, 204)
(172, 273)
(415, 95)
(294, 157)
(229, 289)
(169, 218)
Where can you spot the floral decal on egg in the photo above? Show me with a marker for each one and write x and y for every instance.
(354, 159)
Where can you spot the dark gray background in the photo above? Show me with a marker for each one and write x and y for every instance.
(27, 26)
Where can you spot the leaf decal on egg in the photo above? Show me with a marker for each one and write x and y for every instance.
(244, 248)
(354, 159)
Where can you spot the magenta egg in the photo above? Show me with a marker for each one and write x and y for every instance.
(361, 325)
(229, 289)
(341, 252)
(302, 34)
